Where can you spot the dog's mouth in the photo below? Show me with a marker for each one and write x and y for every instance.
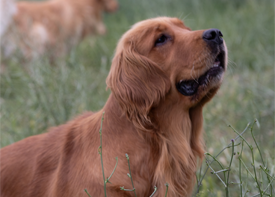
(190, 87)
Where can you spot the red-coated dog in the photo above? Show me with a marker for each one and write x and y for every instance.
(161, 76)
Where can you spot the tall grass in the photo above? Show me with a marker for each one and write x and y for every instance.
(37, 95)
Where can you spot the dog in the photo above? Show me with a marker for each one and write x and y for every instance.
(53, 27)
(161, 76)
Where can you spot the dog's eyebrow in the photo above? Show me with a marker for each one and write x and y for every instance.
(160, 27)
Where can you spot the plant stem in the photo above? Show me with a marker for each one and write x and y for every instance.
(222, 167)
(127, 157)
(239, 135)
(260, 154)
(227, 180)
(167, 185)
(128, 190)
(199, 185)
(87, 192)
(254, 168)
(218, 163)
(247, 169)
(224, 170)
(108, 178)
(100, 133)
(155, 189)
(240, 171)
(270, 184)
(207, 163)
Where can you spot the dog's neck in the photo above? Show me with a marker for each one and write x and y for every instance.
(175, 142)
(113, 110)
(181, 143)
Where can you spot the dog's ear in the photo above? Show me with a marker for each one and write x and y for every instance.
(138, 84)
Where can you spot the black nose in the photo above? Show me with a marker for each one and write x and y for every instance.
(213, 36)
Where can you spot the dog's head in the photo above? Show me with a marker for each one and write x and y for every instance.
(162, 59)
(109, 5)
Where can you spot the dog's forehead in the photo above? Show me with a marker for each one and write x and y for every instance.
(159, 22)
(145, 28)
(148, 29)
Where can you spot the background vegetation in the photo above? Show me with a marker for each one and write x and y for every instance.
(37, 95)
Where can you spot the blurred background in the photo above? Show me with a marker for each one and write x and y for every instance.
(39, 94)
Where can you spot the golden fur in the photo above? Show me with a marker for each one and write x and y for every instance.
(145, 116)
(53, 26)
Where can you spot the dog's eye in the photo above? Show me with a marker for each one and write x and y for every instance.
(161, 40)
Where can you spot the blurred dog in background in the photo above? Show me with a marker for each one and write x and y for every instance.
(54, 26)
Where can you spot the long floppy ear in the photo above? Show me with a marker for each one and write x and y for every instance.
(138, 84)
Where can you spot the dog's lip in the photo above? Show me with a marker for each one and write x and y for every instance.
(190, 87)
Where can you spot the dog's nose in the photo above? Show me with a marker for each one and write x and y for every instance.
(213, 36)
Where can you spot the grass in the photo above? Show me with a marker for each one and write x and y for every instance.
(45, 95)
(257, 182)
